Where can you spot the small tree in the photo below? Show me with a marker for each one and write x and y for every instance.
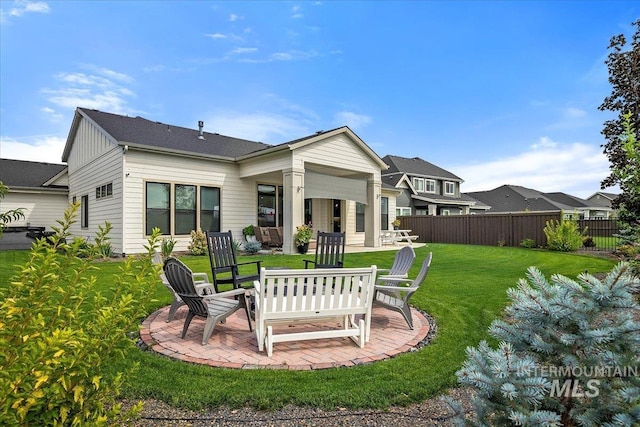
(11, 215)
(564, 358)
(61, 336)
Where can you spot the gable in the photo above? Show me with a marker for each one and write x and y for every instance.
(27, 174)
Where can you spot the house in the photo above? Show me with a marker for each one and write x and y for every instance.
(40, 189)
(140, 174)
(515, 198)
(602, 202)
(424, 188)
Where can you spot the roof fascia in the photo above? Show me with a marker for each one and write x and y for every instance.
(148, 149)
(443, 201)
(55, 177)
(34, 190)
(408, 181)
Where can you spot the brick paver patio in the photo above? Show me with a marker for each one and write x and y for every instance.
(232, 345)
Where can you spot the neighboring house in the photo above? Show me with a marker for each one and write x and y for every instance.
(425, 189)
(41, 189)
(514, 198)
(140, 174)
(602, 203)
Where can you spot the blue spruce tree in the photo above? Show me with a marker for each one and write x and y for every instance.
(568, 355)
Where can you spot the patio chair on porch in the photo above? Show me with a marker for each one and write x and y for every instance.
(225, 268)
(329, 251)
(394, 294)
(215, 307)
(200, 278)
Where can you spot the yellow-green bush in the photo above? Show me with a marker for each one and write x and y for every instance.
(58, 333)
(563, 235)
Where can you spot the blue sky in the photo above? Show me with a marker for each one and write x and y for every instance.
(495, 92)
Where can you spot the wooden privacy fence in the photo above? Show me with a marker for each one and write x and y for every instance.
(499, 229)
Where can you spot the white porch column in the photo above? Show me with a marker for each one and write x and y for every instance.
(293, 206)
(372, 212)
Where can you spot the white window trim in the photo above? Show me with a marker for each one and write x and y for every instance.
(431, 181)
(415, 182)
(453, 186)
(403, 211)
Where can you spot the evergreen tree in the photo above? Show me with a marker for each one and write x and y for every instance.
(624, 76)
(569, 355)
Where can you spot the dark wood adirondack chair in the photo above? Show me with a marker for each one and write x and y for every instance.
(225, 268)
(329, 251)
(215, 307)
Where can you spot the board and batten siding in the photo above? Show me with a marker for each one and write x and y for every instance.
(89, 144)
(105, 169)
(238, 197)
(41, 209)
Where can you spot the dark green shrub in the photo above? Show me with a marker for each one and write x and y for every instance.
(60, 335)
(166, 247)
(563, 235)
(528, 243)
(588, 242)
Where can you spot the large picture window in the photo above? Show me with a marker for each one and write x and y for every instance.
(177, 209)
(158, 207)
(185, 213)
(210, 209)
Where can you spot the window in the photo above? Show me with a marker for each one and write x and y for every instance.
(449, 188)
(185, 208)
(418, 184)
(210, 209)
(384, 213)
(359, 217)
(104, 191)
(158, 205)
(84, 211)
(403, 211)
(266, 205)
(177, 209)
(421, 212)
(430, 186)
(445, 212)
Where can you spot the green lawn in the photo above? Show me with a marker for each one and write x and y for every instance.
(464, 292)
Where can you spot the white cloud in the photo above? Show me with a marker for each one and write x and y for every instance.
(103, 90)
(23, 6)
(264, 127)
(216, 36)
(296, 12)
(573, 168)
(40, 149)
(233, 17)
(242, 50)
(351, 119)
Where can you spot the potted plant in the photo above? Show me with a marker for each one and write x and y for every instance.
(396, 224)
(302, 238)
(249, 233)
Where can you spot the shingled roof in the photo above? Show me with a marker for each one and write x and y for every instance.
(26, 174)
(417, 167)
(141, 132)
(514, 198)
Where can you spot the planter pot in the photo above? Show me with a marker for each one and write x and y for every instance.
(303, 249)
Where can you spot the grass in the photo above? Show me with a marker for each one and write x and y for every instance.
(464, 292)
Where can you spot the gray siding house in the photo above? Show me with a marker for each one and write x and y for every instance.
(425, 189)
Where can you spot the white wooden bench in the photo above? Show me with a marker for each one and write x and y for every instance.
(317, 295)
